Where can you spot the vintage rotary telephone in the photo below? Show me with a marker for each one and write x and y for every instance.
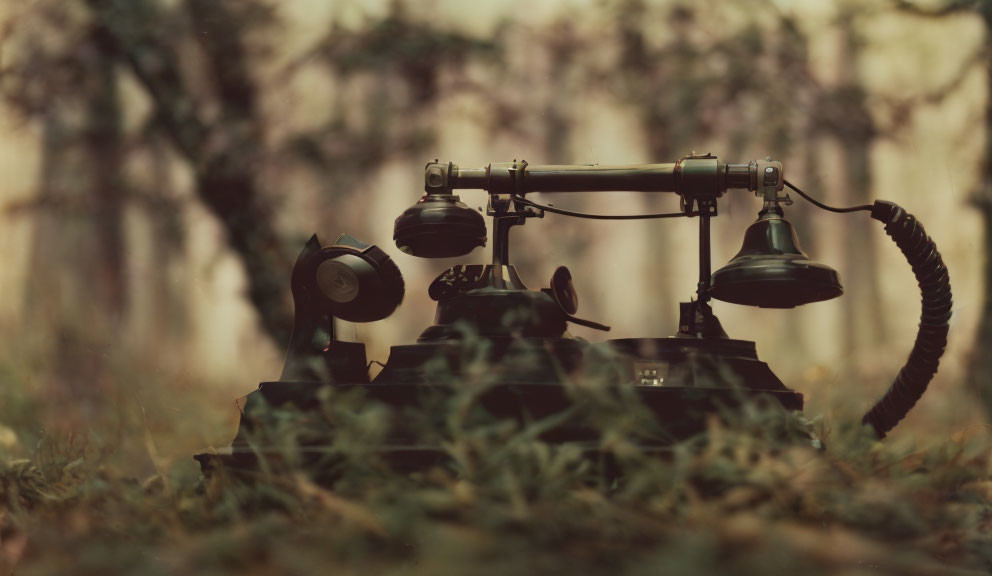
(678, 377)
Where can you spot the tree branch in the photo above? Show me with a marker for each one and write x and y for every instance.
(949, 9)
(224, 154)
(979, 56)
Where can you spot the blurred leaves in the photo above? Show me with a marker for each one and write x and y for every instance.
(760, 491)
(403, 47)
(738, 498)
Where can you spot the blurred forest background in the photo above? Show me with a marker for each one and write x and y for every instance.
(163, 161)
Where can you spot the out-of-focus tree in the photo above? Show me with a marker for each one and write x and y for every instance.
(980, 369)
(842, 114)
(208, 107)
(199, 65)
(410, 66)
(77, 295)
(225, 149)
(667, 84)
(689, 84)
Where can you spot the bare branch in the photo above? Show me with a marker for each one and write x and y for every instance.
(224, 154)
(951, 8)
(133, 28)
(978, 57)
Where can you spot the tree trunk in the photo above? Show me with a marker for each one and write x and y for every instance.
(852, 125)
(669, 107)
(165, 276)
(225, 154)
(980, 368)
(77, 279)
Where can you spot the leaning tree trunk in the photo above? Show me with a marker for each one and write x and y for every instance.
(225, 154)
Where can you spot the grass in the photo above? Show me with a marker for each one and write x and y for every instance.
(750, 495)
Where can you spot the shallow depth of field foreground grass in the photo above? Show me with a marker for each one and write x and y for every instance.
(753, 496)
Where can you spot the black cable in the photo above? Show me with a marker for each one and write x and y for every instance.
(935, 289)
(526, 202)
(818, 204)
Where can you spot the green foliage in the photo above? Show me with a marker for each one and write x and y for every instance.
(401, 46)
(761, 492)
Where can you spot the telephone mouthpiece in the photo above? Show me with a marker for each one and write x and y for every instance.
(439, 226)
